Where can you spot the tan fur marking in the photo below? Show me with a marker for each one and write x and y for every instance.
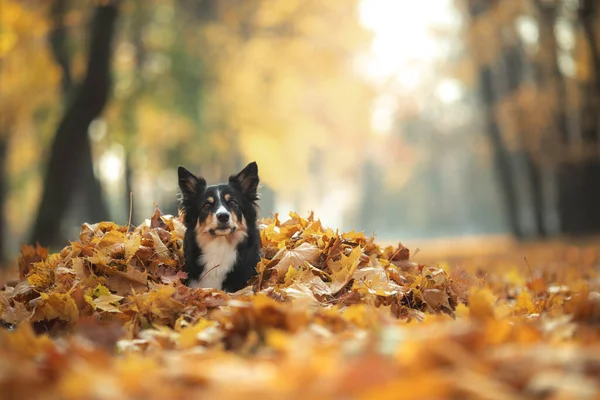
(227, 197)
(211, 200)
(239, 225)
(203, 235)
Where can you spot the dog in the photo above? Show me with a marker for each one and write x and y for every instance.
(222, 241)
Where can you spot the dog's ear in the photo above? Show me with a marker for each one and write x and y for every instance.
(189, 183)
(247, 180)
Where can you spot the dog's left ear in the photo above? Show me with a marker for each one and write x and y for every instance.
(248, 180)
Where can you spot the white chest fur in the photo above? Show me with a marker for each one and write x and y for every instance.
(218, 256)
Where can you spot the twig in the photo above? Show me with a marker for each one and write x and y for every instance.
(532, 281)
(207, 272)
(130, 209)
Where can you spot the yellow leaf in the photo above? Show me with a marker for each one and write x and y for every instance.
(132, 245)
(295, 257)
(278, 340)
(290, 275)
(108, 302)
(56, 305)
(481, 303)
(358, 314)
(188, 336)
(101, 290)
(524, 303)
(343, 269)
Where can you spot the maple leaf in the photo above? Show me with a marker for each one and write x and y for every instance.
(437, 299)
(342, 270)
(524, 303)
(460, 281)
(55, 305)
(374, 280)
(170, 276)
(13, 314)
(293, 258)
(30, 255)
(159, 247)
(132, 245)
(108, 302)
(124, 283)
(23, 292)
(41, 275)
(481, 303)
(81, 272)
(193, 335)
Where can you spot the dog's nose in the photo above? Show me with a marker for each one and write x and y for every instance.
(223, 217)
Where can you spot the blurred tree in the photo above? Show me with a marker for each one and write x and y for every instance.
(579, 191)
(22, 92)
(71, 147)
(542, 118)
(501, 71)
(87, 190)
(3, 192)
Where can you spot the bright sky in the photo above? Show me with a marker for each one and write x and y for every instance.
(402, 31)
(403, 47)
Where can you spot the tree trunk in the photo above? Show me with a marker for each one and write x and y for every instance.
(58, 44)
(557, 138)
(515, 75)
(578, 179)
(502, 157)
(87, 184)
(3, 191)
(68, 150)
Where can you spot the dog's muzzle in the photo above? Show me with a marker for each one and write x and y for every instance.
(223, 225)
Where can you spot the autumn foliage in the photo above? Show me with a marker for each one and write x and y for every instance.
(329, 315)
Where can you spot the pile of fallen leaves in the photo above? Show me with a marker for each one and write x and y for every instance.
(329, 315)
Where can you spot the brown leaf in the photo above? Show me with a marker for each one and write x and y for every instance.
(30, 255)
(109, 303)
(342, 270)
(436, 299)
(125, 283)
(56, 305)
(169, 276)
(306, 252)
(13, 314)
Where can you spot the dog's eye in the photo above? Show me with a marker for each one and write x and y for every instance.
(207, 206)
(232, 202)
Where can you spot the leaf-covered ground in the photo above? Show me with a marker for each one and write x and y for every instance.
(330, 315)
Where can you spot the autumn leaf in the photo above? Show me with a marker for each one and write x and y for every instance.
(342, 301)
(524, 303)
(56, 305)
(108, 302)
(437, 299)
(306, 252)
(481, 303)
(342, 270)
(124, 283)
(13, 314)
(132, 245)
(30, 255)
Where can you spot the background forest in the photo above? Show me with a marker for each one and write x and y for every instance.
(435, 118)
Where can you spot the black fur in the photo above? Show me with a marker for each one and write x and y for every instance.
(243, 190)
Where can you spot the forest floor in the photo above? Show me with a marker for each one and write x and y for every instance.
(330, 315)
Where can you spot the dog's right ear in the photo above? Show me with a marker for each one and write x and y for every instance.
(189, 183)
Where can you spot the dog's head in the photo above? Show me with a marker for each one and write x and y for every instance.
(223, 210)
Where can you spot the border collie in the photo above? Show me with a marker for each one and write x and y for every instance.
(222, 242)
